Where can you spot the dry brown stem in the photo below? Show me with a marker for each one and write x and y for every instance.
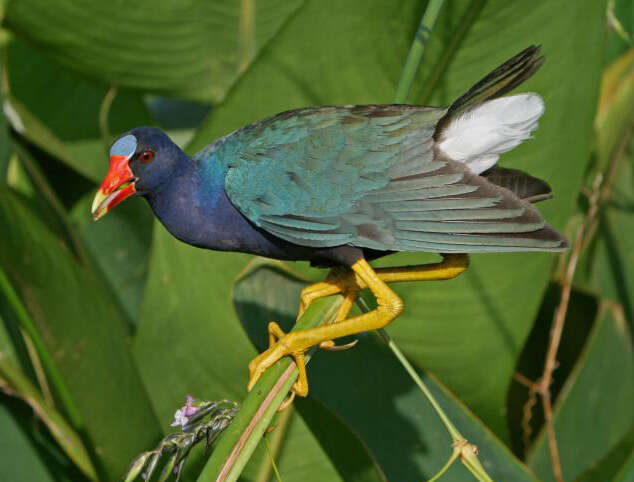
(597, 196)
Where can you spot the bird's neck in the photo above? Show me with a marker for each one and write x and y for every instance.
(193, 205)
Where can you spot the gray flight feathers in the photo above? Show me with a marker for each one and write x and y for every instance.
(446, 209)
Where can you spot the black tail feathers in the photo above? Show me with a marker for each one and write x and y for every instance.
(499, 82)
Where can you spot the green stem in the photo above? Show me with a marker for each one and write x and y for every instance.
(445, 468)
(457, 37)
(104, 112)
(274, 442)
(617, 26)
(470, 460)
(271, 455)
(241, 438)
(456, 436)
(416, 50)
(462, 449)
(467, 456)
(47, 360)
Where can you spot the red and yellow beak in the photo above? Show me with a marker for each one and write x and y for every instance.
(117, 186)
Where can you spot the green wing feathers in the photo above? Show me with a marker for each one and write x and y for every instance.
(302, 174)
(371, 176)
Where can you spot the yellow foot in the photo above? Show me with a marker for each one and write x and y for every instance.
(281, 344)
(348, 282)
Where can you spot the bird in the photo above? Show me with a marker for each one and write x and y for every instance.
(340, 186)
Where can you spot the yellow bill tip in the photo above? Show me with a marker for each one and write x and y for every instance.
(99, 207)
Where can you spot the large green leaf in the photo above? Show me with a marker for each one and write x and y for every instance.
(84, 332)
(120, 246)
(623, 11)
(368, 389)
(189, 340)
(481, 320)
(615, 112)
(613, 462)
(304, 467)
(612, 267)
(334, 453)
(594, 410)
(194, 49)
(627, 473)
(348, 452)
(18, 458)
(329, 449)
(608, 266)
(59, 110)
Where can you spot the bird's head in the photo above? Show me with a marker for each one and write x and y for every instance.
(141, 160)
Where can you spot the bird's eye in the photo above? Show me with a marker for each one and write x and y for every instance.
(147, 156)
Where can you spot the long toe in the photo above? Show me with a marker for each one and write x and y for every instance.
(332, 346)
(255, 371)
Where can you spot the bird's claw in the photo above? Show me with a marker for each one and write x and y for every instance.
(331, 346)
(255, 371)
(281, 344)
(275, 351)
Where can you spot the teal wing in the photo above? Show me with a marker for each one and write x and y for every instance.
(370, 176)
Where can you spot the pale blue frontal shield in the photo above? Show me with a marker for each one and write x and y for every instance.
(124, 147)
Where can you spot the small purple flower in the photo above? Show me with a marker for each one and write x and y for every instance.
(183, 414)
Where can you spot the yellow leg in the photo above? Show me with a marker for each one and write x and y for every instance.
(343, 280)
(296, 343)
(339, 280)
(389, 306)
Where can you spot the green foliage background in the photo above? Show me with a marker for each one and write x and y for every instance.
(105, 327)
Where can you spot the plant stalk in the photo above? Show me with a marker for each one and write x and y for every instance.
(466, 452)
(104, 112)
(416, 50)
(240, 439)
(456, 436)
(454, 455)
